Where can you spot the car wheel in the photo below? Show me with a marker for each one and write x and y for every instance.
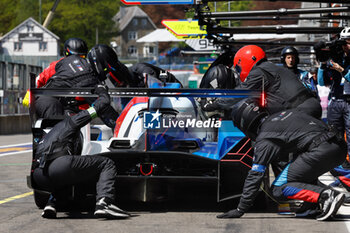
(40, 199)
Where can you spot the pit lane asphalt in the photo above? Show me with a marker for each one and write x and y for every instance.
(18, 212)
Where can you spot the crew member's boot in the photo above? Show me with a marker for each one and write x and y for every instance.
(105, 209)
(330, 201)
(50, 208)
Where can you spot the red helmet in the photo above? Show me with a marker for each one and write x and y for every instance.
(246, 58)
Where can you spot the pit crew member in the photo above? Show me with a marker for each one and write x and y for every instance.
(72, 46)
(58, 165)
(220, 75)
(315, 147)
(283, 91)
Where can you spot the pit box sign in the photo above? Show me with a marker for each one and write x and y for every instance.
(201, 44)
(185, 29)
(156, 2)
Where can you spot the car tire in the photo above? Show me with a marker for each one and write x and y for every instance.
(41, 198)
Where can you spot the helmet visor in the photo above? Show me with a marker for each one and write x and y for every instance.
(112, 75)
(238, 69)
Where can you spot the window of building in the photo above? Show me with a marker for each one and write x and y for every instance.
(151, 50)
(42, 46)
(132, 50)
(135, 22)
(30, 28)
(148, 50)
(132, 35)
(144, 22)
(17, 46)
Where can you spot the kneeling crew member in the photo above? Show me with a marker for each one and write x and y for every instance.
(61, 166)
(316, 151)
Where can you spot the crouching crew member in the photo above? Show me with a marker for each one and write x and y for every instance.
(315, 147)
(59, 164)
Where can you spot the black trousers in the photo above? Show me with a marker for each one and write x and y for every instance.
(299, 179)
(338, 115)
(73, 170)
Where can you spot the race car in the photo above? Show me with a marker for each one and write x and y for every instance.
(164, 146)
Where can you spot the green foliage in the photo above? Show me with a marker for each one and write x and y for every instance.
(72, 18)
(232, 6)
(7, 15)
(81, 18)
(26, 9)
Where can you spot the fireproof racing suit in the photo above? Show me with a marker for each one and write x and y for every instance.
(315, 148)
(56, 166)
(283, 91)
(48, 72)
(71, 72)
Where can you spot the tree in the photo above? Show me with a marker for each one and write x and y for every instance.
(230, 6)
(81, 18)
(7, 15)
(73, 18)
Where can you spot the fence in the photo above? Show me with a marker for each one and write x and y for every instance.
(42, 61)
(14, 81)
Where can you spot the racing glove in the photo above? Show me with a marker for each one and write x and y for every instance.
(26, 99)
(236, 213)
(103, 100)
(209, 104)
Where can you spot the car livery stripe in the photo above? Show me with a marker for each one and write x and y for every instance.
(300, 194)
(134, 101)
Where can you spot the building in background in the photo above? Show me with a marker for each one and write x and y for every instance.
(27, 48)
(133, 23)
(30, 43)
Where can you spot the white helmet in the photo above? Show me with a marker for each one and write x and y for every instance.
(345, 33)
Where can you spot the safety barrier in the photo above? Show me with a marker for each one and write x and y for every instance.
(15, 124)
(14, 81)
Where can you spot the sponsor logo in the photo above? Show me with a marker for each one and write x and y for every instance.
(80, 68)
(155, 120)
(151, 120)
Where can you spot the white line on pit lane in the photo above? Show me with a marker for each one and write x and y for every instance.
(16, 152)
(21, 144)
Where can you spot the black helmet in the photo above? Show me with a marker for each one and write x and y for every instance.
(105, 63)
(247, 116)
(289, 50)
(219, 77)
(75, 46)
